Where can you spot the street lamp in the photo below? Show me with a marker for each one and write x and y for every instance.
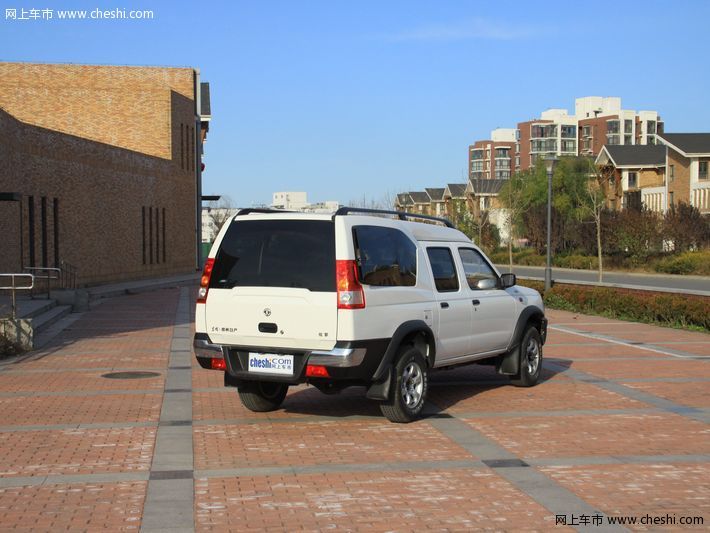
(550, 161)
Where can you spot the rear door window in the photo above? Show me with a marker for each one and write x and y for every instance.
(386, 257)
(444, 269)
(277, 253)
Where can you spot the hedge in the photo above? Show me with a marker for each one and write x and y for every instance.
(666, 309)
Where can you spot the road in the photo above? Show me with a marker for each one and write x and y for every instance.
(664, 281)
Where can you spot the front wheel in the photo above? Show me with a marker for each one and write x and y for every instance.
(262, 396)
(409, 388)
(530, 359)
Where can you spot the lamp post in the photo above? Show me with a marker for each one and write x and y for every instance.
(550, 161)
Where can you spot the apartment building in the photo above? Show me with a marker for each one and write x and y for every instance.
(597, 121)
(687, 161)
(101, 169)
(493, 158)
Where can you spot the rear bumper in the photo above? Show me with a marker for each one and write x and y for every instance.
(354, 361)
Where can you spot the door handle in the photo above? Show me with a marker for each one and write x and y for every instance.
(476, 302)
(444, 305)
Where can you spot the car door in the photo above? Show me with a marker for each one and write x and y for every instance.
(493, 308)
(453, 326)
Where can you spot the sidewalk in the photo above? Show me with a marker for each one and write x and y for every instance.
(617, 428)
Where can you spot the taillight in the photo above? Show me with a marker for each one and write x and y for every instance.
(350, 293)
(317, 371)
(205, 281)
(218, 364)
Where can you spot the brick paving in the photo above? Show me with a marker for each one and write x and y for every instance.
(619, 427)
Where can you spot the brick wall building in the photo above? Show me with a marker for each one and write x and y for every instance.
(104, 165)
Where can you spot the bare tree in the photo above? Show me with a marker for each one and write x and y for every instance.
(220, 211)
(592, 201)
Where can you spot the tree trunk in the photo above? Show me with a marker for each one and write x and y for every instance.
(599, 244)
(510, 252)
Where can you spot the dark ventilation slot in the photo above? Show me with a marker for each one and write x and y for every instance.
(268, 327)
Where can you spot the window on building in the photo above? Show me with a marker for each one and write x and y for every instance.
(387, 257)
(703, 170)
(569, 146)
(612, 126)
(569, 132)
(671, 172)
(633, 180)
(670, 198)
(475, 267)
(612, 139)
(501, 152)
(628, 126)
(517, 160)
(628, 139)
(651, 126)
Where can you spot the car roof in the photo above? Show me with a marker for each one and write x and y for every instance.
(418, 230)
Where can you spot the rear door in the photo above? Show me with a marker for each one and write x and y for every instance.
(455, 309)
(273, 285)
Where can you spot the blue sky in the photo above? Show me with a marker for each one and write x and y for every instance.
(345, 99)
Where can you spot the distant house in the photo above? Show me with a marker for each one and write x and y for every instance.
(484, 201)
(403, 202)
(454, 197)
(421, 202)
(438, 205)
(639, 172)
(687, 160)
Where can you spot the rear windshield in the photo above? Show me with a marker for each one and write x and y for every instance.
(277, 253)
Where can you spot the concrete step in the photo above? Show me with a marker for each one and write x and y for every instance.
(49, 317)
(27, 308)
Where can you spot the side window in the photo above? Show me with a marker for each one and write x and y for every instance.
(386, 257)
(476, 268)
(442, 265)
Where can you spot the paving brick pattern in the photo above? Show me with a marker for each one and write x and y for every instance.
(76, 451)
(458, 500)
(320, 443)
(73, 507)
(678, 490)
(618, 425)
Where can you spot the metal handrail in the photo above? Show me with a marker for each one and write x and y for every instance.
(49, 277)
(13, 287)
(69, 275)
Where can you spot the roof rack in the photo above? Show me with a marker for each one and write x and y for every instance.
(249, 210)
(402, 215)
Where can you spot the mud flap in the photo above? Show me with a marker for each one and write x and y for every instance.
(381, 389)
(509, 363)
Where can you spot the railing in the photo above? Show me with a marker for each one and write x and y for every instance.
(46, 273)
(13, 287)
(68, 275)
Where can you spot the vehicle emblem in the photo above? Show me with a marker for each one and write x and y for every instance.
(267, 312)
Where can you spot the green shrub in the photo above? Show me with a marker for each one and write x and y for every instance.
(667, 309)
(578, 261)
(686, 263)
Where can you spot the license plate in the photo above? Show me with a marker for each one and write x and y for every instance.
(271, 363)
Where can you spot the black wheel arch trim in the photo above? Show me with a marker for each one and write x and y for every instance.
(510, 362)
(402, 332)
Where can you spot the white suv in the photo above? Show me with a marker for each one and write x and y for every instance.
(356, 298)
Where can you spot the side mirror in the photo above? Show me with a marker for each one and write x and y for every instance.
(507, 280)
(486, 284)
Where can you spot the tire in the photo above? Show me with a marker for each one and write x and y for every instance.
(530, 351)
(409, 387)
(262, 396)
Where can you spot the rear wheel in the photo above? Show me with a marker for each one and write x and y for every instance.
(409, 388)
(262, 396)
(530, 359)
